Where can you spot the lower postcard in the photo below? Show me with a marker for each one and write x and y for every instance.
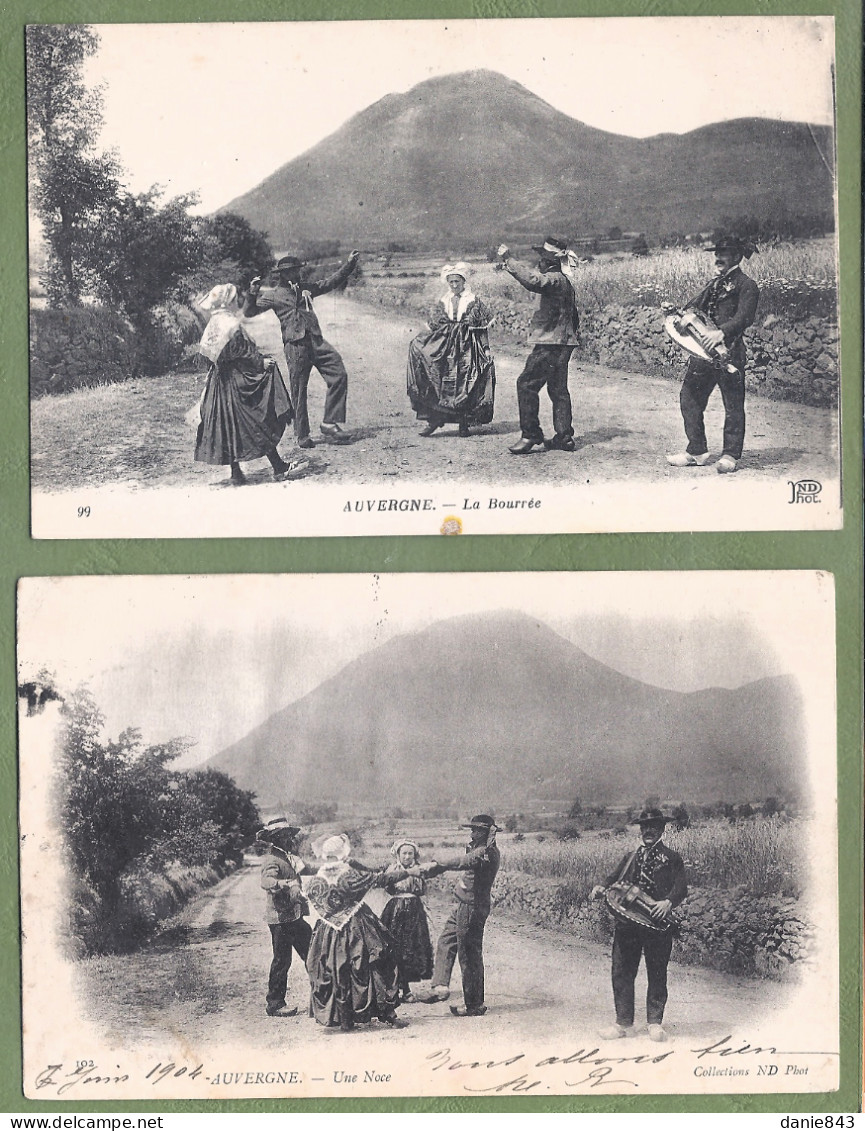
(484, 835)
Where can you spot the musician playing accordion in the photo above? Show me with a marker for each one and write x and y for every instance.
(641, 893)
(730, 302)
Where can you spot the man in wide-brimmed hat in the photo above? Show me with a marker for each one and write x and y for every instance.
(305, 347)
(463, 934)
(730, 301)
(555, 331)
(659, 872)
(285, 908)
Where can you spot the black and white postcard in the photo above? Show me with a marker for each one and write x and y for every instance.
(424, 835)
(420, 277)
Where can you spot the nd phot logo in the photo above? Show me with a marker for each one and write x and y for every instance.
(804, 491)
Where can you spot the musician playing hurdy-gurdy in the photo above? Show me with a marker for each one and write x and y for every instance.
(641, 895)
(728, 305)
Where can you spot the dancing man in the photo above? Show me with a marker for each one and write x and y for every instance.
(305, 347)
(463, 934)
(555, 332)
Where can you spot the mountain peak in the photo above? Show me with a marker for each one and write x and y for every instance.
(502, 699)
(520, 167)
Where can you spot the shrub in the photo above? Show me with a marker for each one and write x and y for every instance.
(79, 346)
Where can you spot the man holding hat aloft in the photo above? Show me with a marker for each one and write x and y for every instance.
(555, 331)
(285, 907)
(305, 347)
(730, 301)
(463, 934)
(659, 872)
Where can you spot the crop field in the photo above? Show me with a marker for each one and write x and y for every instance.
(762, 856)
(765, 857)
(797, 280)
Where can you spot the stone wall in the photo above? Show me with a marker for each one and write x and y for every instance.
(787, 360)
(733, 931)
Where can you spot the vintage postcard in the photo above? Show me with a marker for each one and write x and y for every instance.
(428, 835)
(420, 277)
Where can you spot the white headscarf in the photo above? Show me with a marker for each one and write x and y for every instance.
(398, 844)
(462, 269)
(447, 300)
(221, 304)
(332, 846)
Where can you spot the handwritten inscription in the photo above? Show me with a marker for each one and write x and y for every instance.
(600, 1069)
(61, 1079)
(85, 1072)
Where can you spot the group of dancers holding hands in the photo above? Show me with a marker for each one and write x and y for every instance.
(361, 966)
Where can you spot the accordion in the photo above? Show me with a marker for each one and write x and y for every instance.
(688, 329)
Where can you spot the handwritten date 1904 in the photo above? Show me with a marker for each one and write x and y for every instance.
(62, 1078)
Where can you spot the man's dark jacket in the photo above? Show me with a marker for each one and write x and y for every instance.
(668, 875)
(295, 313)
(556, 322)
(731, 303)
(479, 866)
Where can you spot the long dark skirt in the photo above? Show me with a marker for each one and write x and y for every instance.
(353, 972)
(245, 407)
(451, 377)
(405, 918)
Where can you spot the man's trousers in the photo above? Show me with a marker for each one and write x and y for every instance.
(629, 944)
(700, 379)
(313, 352)
(463, 937)
(285, 937)
(545, 365)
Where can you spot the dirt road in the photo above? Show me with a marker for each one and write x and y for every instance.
(135, 432)
(203, 984)
(117, 460)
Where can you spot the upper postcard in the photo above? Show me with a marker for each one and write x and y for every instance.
(481, 277)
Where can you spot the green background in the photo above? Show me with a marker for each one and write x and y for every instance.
(838, 552)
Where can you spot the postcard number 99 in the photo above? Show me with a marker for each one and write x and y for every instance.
(84, 512)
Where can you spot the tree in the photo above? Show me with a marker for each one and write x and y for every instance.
(114, 798)
(230, 811)
(230, 241)
(771, 807)
(145, 252)
(71, 184)
(681, 817)
(576, 809)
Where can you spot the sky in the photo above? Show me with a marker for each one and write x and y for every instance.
(213, 657)
(215, 108)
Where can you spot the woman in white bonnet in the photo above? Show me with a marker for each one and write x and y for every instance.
(405, 916)
(245, 407)
(451, 376)
(352, 959)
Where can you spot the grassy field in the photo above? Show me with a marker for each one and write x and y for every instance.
(796, 279)
(763, 856)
